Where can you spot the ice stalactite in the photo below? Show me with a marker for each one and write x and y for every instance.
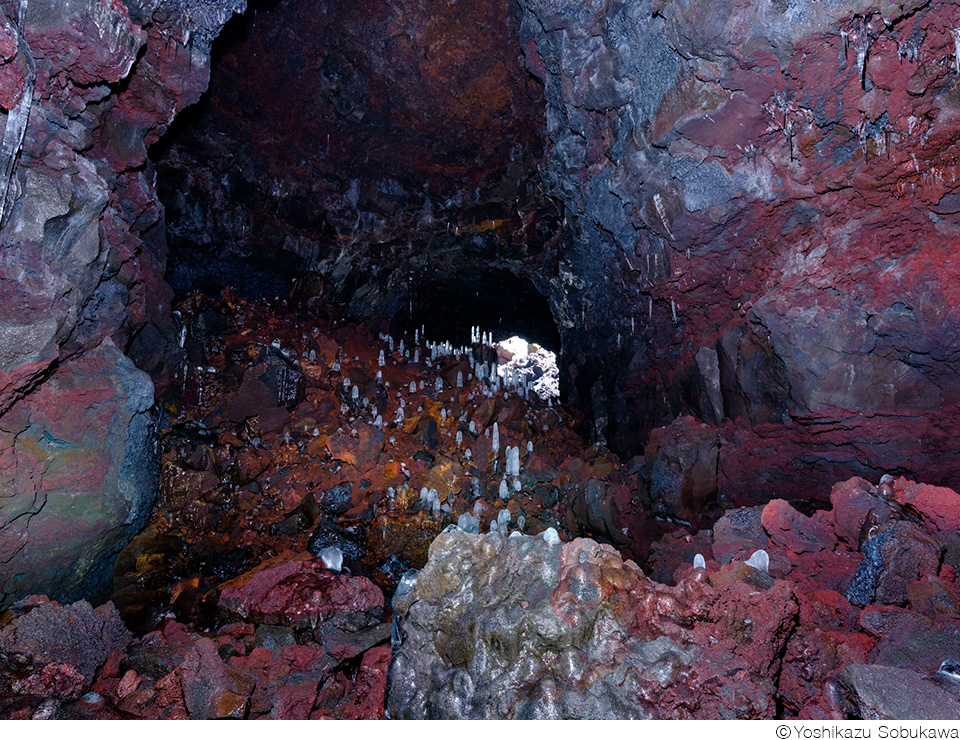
(16, 126)
(956, 50)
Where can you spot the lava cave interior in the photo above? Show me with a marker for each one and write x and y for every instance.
(269, 445)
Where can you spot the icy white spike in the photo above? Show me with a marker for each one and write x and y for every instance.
(400, 415)
(383, 359)
(473, 427)
(460, 380)
(401, 346)
(443, 416)
(493, 525)
(459, 438)
(379, 376)
(436, 502)
(413, 386)
(355, 393)
(469, 523)
(760, 561)
(504, 489)
(513, 461)
(467, 454)
(529, 446)
(335, 366)
(439, 385)
(698, 561)
(416, 355)
(503, 520)
(425, 495)
(495, 441)
(416, 336)
(379, 422)
(332, 558)
(516, 484)
(551, 537)
(346, 382)
(390, 342)
(521, 522)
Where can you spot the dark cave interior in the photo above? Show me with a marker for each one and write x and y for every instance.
(257, 462)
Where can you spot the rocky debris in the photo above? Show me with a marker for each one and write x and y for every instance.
(526, 627)
(297, 592)
(738, 533)
(795, 532)
(210, 689)
(59, 648)
(231, 593)
(857, 508)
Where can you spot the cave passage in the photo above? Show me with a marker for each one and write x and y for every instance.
(497, 301)
(280, 430)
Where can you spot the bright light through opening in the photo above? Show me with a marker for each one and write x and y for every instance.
(518, 358)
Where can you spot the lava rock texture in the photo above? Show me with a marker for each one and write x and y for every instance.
(763, 209)
(528, 628)
(88, 86)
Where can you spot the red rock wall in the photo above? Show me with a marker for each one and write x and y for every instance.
(765, 204)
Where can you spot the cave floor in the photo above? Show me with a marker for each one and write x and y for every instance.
(274, 468)
(249, 480)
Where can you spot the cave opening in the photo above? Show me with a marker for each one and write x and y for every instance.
(496, 300)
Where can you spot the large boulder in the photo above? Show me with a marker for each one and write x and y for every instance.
(896, 554)
(880, 692)
(526, 627)
(78, 477)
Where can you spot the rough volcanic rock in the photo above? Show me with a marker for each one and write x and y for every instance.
(762, 211)
(938, 508)
(64, 644)
(78, 476)
(417, 115)
(86, 88)
(795, 532)
(298, 592)
(739, 532)
(210, 689)
(857, 508)
(878, 692)
(525, 627)
(897, 554)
